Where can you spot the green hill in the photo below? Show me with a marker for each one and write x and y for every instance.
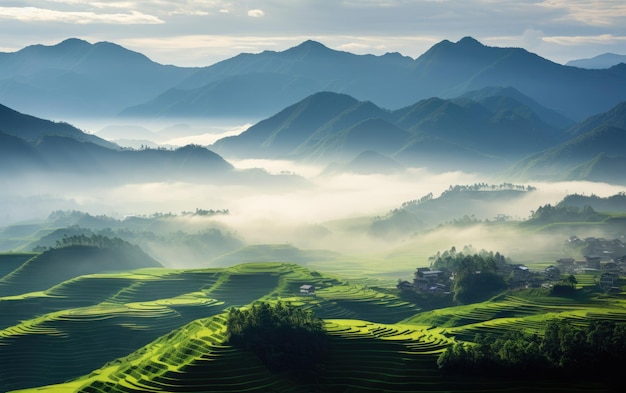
(173, 322)
(43, 336)
(60, 264)
(10, 262)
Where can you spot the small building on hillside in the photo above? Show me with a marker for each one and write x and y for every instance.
(307, 290)
(593, 262)
(612, 267)
(521, 273)
(432, 274)
(607, 280)
(553, 273)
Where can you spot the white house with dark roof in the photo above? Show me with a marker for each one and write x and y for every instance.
(307, 289)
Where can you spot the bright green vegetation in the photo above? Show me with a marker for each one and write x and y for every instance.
(166, 330)
(44, 333)
(78, 256)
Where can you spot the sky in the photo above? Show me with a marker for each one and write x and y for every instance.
(201, 33)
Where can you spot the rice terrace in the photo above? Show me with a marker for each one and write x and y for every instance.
(298, 196)
(173, 324)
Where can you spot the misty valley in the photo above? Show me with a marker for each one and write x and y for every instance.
(311, 220)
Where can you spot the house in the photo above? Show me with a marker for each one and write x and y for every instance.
(612, 267)
(421, 284)
(521, 273)
(432, 274)
(565, 261)
(593, 262)
(553, 273)
(567, 265)
(404, 285)
(307, 290)
(422, 270)
(607, 280)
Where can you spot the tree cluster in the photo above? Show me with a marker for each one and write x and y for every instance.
(94, 240)
(566, 287)
(488, 187)
(563, 350)
(476, 273)
(283, 336)
(561, 213)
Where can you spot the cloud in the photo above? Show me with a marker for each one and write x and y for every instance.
(532, 38)
(593, 13)
(33, 14)
(602, 39)
(256, 13)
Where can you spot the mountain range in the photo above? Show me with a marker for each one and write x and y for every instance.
(29, 144)
(486, 131)
(78, 79)
(494, 128)
(75, 78)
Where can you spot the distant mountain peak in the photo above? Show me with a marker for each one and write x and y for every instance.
(469, 41)
(73, 42)
(606, 60)
(308, 46)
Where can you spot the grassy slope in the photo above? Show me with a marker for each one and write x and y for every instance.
(377, 342)
(11, 261)
(77, 326)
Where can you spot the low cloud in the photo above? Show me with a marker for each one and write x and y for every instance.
(602, 39)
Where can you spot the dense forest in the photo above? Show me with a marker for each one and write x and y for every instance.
(563, 350)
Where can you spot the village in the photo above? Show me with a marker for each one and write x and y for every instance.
(604, 259)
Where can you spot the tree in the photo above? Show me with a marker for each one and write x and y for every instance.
(284, 337)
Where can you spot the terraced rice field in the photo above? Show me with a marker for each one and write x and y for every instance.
(10, 262)
(172, 324)
(75, 327)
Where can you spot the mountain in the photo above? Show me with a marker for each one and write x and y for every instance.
(459, 205)
(76, 78)
(605, 60)
(594, 153)
(497, 98)
(327, 127)
(280, 134)
(371, 134)
(261, 84)
(512, 127)
(64, 155)
(451, 69)
(33, 145)
(615, 117)
(32, 128)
